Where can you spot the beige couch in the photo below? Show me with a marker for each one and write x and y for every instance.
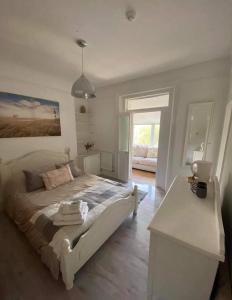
(145, 158)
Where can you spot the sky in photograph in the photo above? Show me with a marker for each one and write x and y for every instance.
(27, 107)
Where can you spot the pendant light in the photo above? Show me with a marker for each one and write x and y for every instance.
(82, 88)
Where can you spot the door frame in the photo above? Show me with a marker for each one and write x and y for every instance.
(123, 154)
(171, 92)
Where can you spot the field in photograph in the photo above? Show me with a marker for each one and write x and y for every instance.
(27, 127)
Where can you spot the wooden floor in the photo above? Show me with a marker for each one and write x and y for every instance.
(144, 176)
(117, 271)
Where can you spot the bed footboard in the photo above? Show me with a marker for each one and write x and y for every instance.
(73, 259)
(136, 199)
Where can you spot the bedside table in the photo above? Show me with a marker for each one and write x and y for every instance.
(89, 162)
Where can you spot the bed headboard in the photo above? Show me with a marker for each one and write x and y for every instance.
(29, 161)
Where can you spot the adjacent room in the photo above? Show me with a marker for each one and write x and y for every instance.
(115, 150)
(146, 127)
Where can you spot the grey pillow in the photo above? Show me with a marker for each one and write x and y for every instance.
(74, 169)
(33, 181)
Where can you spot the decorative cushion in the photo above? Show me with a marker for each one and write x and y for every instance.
(57, 177)
(33, 180)
(140, 150)
(74, 169)
(152, 152)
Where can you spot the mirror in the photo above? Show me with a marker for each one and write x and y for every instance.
(198, 125)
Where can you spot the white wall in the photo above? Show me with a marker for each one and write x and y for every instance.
(226, 186)
(201, 82)
(21, 80)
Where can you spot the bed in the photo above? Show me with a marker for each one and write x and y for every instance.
(64, 249)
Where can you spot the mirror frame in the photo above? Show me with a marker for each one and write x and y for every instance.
(212, 103)
(224, 139)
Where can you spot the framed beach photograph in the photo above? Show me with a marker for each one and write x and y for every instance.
(24, 116)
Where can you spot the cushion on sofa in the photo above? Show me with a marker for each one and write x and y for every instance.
(152, 152)
(140, 150)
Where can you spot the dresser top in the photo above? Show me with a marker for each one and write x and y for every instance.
(189, 220)
(86, 154)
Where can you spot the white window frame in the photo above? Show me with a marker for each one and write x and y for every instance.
(144, 95)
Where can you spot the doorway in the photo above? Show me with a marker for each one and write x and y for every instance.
(161, 101)
(145, 144)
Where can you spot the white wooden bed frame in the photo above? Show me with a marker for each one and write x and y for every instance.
(73, 259)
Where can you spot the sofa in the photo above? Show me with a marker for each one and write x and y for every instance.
(145, 158)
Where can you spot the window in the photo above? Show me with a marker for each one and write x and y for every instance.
(142, 134)
(146, 134)
(155, 101)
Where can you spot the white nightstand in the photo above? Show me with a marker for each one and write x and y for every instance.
(89, 162)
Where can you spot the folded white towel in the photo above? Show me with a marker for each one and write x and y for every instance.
(70, 207)
(71, 219)
(68, 223)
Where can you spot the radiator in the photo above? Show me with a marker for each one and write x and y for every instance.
(107, 161)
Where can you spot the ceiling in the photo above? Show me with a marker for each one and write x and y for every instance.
(165, 35)
(147, 118)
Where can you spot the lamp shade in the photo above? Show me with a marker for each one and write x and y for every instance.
(82, 88)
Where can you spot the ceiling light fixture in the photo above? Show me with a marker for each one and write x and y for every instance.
(130, 14)
(82, 87)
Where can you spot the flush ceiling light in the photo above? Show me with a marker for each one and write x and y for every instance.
(82, 88)
(130, 14)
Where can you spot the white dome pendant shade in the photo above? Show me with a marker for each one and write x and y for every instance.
(82, 87)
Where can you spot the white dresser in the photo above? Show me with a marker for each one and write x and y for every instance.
(186, 244)
(89, 162)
